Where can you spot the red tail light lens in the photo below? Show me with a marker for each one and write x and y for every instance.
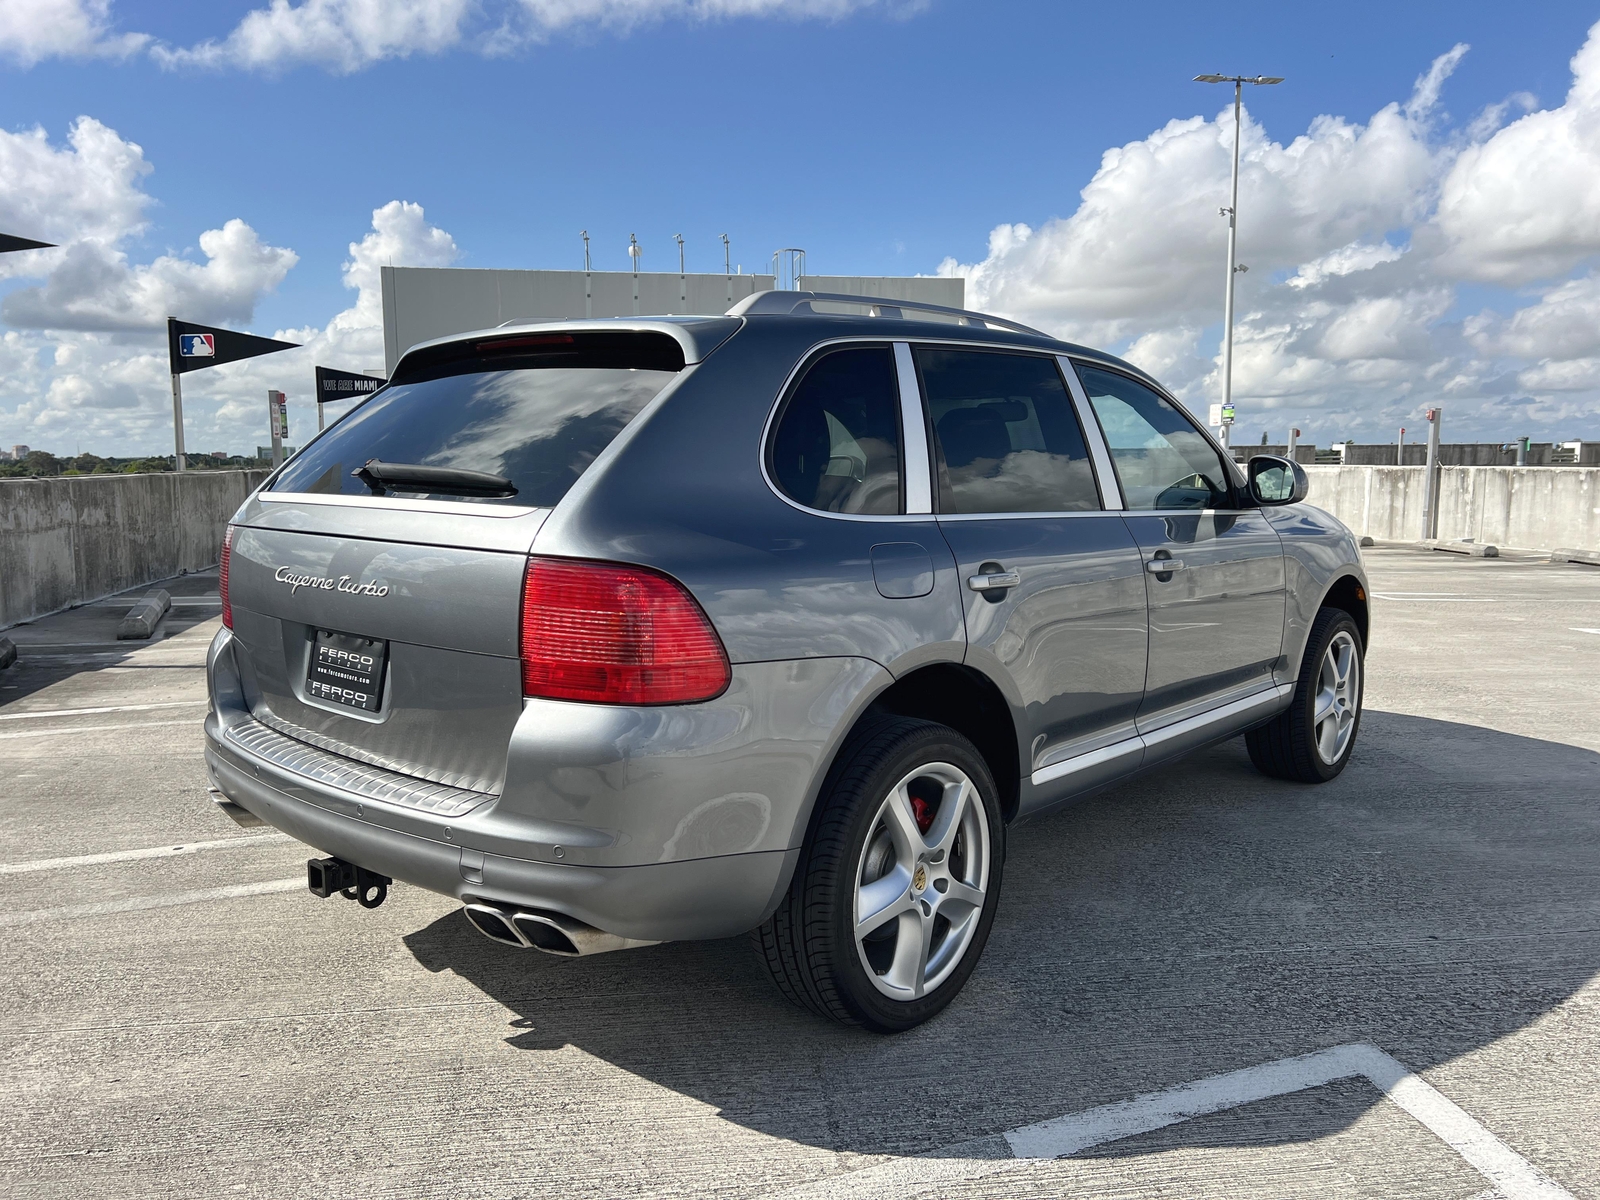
(222, 577)
(614, 634)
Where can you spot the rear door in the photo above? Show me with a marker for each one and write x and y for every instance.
(1052, 580)
(1213, 566)
(380, 620)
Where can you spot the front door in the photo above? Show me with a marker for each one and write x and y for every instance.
(1051, 581)
(1214, 569)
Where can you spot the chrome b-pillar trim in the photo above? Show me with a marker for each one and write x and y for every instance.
(913, 433)
(1099, 452)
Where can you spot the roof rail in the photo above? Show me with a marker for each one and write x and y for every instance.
(787, 303)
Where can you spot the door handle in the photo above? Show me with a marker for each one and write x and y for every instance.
(1161, 566)
(994, 581)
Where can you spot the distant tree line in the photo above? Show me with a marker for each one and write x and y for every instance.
(40, 463)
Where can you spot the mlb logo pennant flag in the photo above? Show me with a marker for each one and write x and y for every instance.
(192, 347)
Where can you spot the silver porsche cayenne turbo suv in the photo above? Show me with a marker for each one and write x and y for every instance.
(778, 622)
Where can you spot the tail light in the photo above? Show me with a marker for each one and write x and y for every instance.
(614, 634)
(222, 577)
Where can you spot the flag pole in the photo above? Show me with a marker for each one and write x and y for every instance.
(177, 420)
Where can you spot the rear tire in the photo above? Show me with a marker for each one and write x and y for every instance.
(896, 889)
(1312, 739)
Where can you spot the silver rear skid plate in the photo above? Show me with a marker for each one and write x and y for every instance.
(551, 932)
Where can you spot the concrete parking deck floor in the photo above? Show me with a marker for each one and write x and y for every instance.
(189, 1021)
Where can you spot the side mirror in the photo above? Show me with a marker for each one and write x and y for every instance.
(1277, 480)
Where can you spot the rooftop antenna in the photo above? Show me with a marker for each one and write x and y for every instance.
(727, 265)
(635, 253)
(788, 268)
(683, 279)
(588, 290)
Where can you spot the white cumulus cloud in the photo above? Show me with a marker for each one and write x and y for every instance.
(32, 30)
(110, 391)
(1359, 237)
(349, 35)
(94, 287)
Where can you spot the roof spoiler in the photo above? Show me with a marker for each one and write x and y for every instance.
(788, 303)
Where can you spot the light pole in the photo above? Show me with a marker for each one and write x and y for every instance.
(588, 278)
(634, 253)
(1232, 213)
(683, 278)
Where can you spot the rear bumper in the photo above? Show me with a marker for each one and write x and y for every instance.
(668, 901)
(657, 824)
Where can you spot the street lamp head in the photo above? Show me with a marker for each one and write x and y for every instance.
(1258, 79)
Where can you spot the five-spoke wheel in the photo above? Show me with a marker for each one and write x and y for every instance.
(896, 888)
(921, 881)
(1311, 740)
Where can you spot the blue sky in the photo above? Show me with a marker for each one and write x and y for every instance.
(887, 140)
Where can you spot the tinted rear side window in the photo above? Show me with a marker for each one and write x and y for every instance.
(1008, 440)
(536, 411)
(837, 444)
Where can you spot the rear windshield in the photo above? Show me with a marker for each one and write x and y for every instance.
(534, 410)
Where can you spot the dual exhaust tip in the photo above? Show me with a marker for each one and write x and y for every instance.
(552, 932)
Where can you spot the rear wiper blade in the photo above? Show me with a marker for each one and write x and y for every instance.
(383, 477)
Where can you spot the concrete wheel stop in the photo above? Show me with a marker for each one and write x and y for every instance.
(143, 617)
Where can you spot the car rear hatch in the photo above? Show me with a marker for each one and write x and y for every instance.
(375, 605)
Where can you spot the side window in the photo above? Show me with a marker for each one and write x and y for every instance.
(837, 443)
(1162, 460)
(1006, 435)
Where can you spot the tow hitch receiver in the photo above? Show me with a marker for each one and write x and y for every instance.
(325, 876)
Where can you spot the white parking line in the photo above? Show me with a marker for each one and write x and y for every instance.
(141, 903)
(114, 856)
(1513, 1177)
(86, 712)
(7, 737)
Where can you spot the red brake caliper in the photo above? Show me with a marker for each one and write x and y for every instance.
(923, 812)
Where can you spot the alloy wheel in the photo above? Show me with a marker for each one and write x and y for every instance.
(920, 881)
(1338, 698)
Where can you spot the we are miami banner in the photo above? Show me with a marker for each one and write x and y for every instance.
(343, 385)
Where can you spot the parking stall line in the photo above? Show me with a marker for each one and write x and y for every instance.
(33, 733)
(89, 712)
(104, 908)
(116, 856)
(1513, 1177)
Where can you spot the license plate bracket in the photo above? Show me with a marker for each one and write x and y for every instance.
(347, 670)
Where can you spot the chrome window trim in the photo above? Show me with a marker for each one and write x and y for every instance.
(811, 354)
(1236, 473)
(1099, 451)
(1091, 431)
(1029, 516)
(914, 461)
(453, 508)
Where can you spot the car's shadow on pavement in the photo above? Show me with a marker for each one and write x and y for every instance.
(1443, 893)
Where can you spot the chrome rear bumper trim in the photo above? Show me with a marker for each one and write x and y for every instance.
(360, 780)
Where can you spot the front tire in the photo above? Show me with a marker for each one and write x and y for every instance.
(896, 890)
(1312, 739)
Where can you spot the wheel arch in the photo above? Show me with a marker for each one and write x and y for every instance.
(969, 702)
(1349, 593)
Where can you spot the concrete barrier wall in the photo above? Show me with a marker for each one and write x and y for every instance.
(73, 539)
(1537, 508)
